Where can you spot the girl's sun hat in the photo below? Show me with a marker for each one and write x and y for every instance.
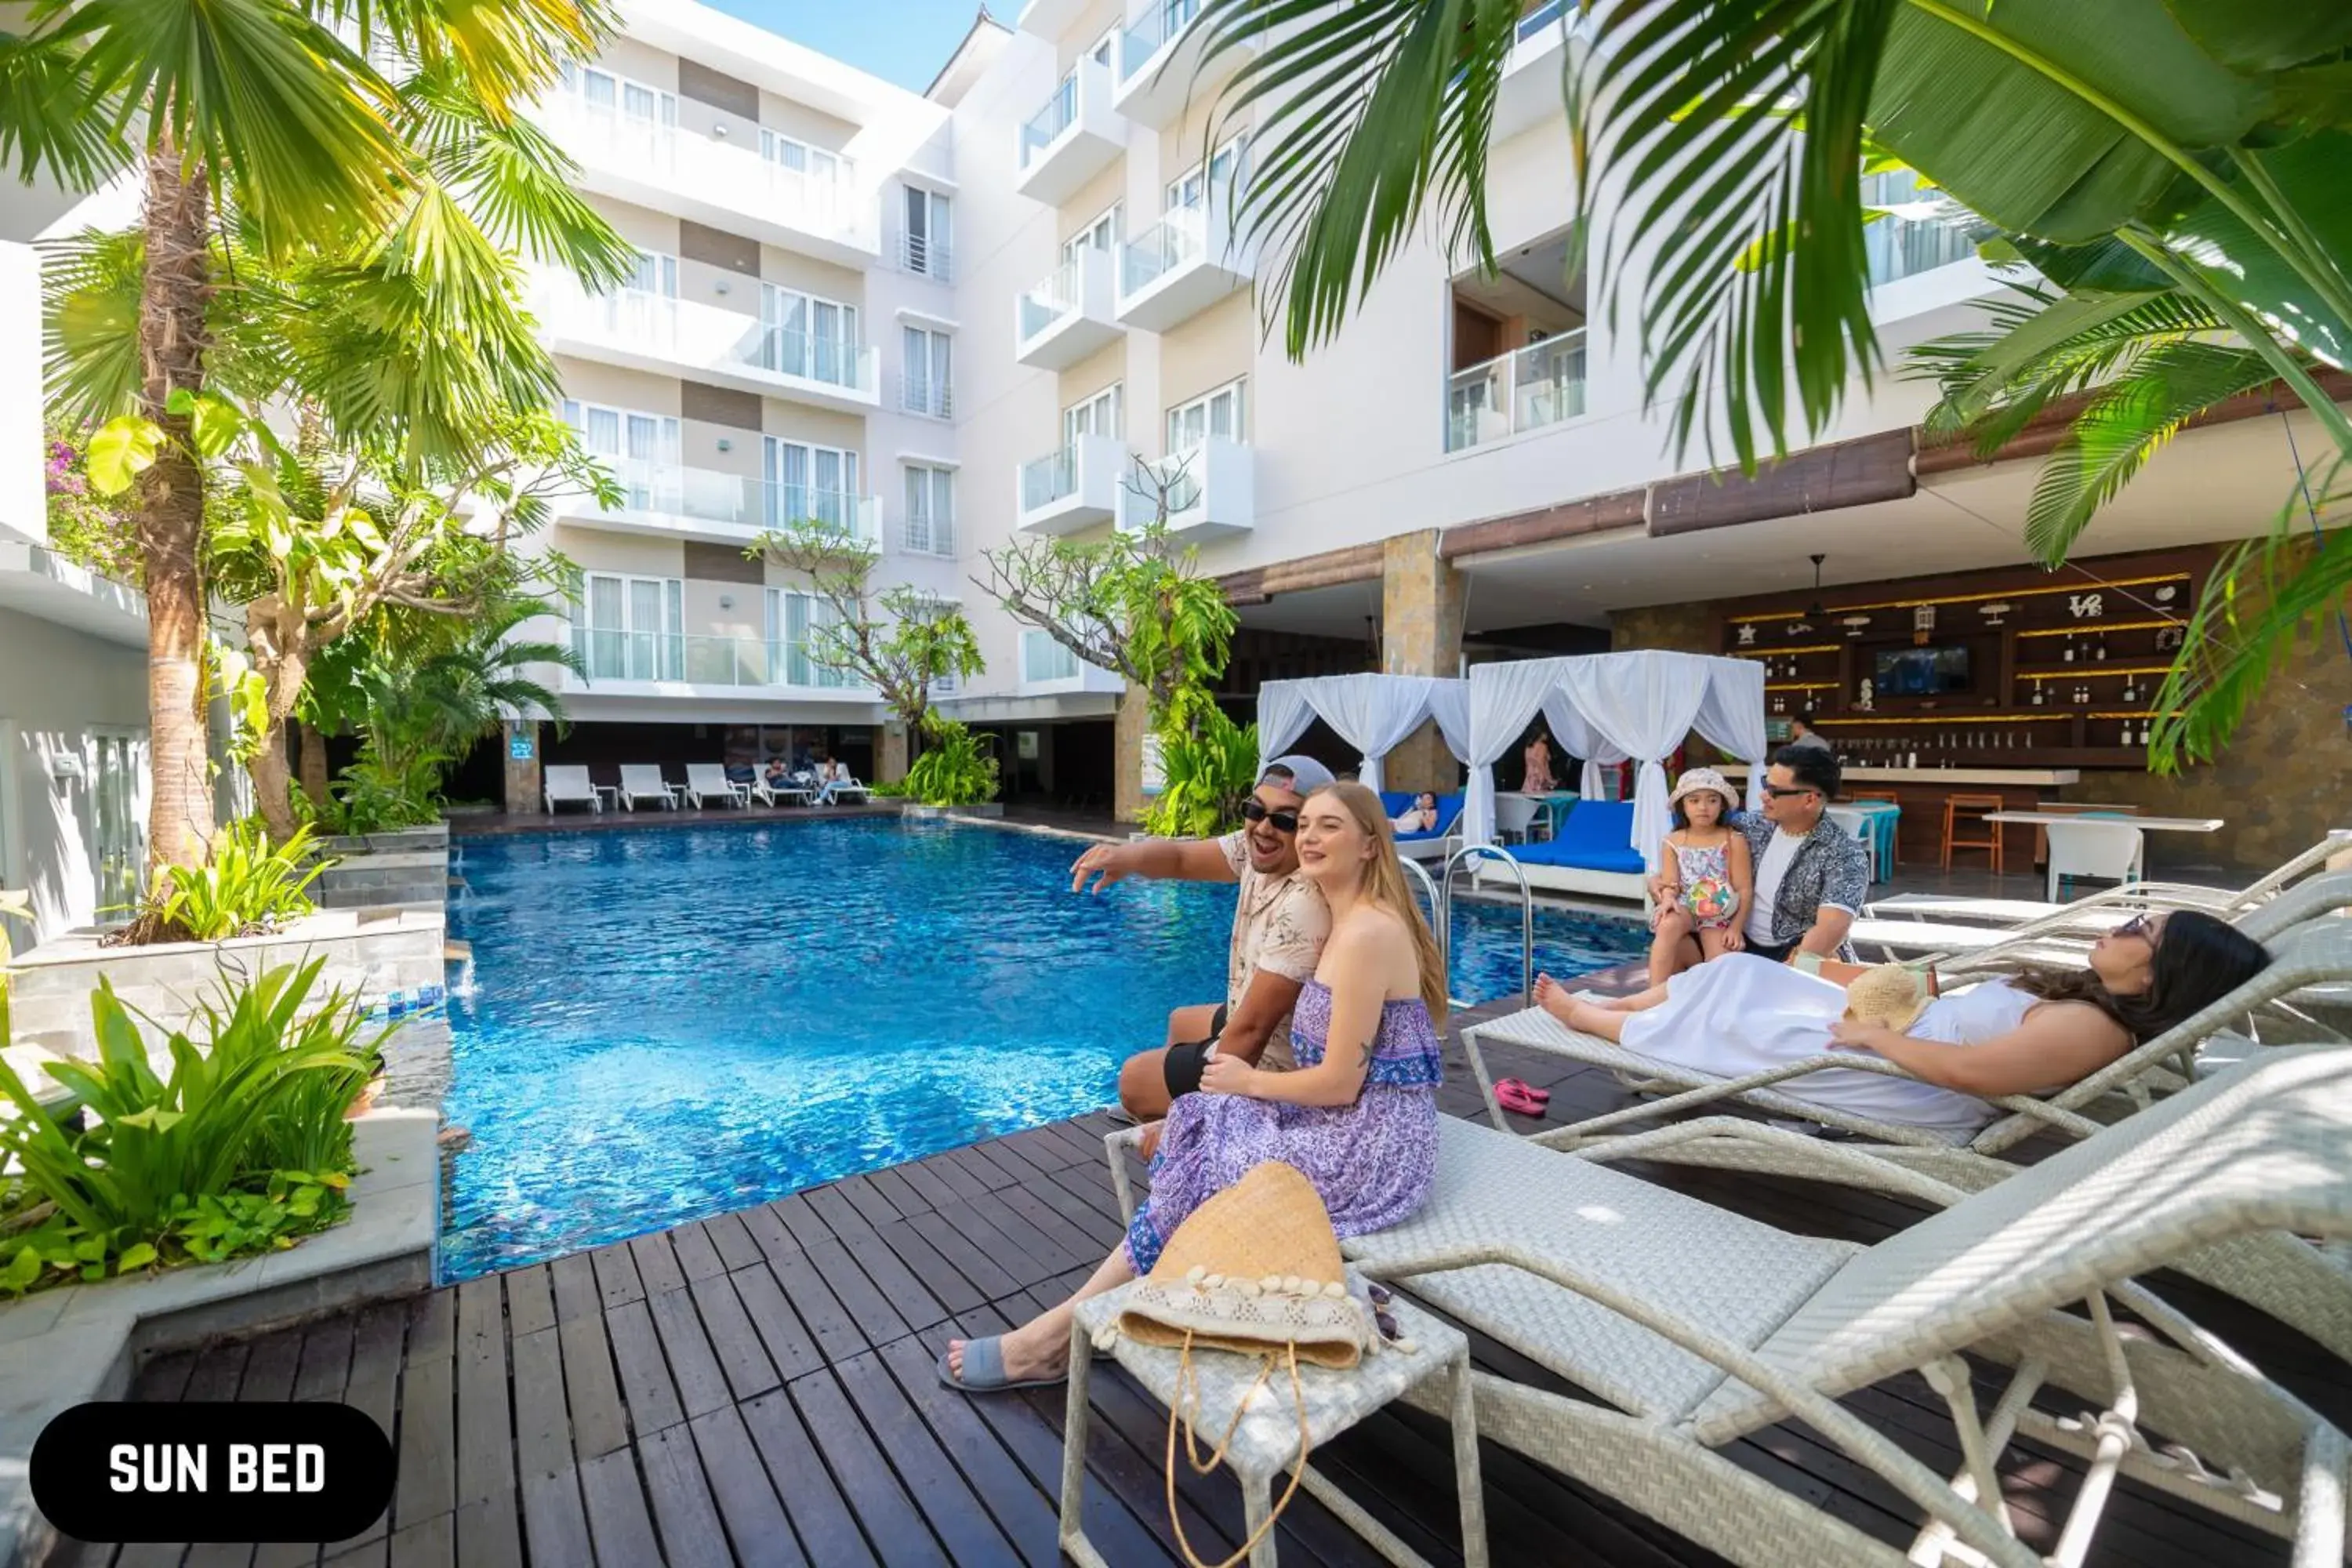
(1696, 779)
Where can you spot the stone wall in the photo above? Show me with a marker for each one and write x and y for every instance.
(1680, 628)
(523, 791)
(1134, 711)
(1422, 604)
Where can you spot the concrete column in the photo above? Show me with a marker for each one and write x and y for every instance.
(1422, 601)
(523, 789)
(891, 751)
(1134, 720)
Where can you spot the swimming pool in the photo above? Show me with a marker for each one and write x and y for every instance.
(669, 1023)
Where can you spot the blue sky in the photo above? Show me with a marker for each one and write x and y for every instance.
(904, 41)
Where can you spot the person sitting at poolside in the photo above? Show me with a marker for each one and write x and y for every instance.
(830, 776)
(1358, 1117)
(778, 775)
(1811, 877)
(2014, 1035)
(1422, 816)
(1279, 926)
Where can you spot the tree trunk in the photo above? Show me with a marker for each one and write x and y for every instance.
(171, 505)
(276, 641)
(314, 765)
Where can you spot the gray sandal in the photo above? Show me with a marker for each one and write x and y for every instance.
(983, 1369)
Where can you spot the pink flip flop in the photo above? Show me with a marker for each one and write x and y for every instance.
(1513, 1095)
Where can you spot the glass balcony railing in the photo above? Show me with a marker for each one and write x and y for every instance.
(822, 202)
(688, 332)
(700, 660)
(1177, 240)
(1154, 30)
(836, 362)
(702, 495)
(1061, 294)
(1049, 479)
(1041, 129)
(1540, 16)
(1921, 232)
(1526, 389)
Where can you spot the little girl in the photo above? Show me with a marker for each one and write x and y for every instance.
(1704, 879)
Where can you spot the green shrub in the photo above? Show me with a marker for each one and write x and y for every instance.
(375, 795)
(247, 885)
(241, 1149)
(953, 770)
(1207, 774)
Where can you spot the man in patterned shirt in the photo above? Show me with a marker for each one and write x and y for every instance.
(1812, 878)
(1279, 926)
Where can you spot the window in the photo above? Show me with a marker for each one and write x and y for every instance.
(1217, 413)
(1213, 180)
(793, 620)
(1100, 235)
(1097, 415)
(1043, 658)
(631, 627)
(924, 385)
(924, 248)
(800, 158)
(642, 450)
(1101, 54)
(815, 483)
(656, 274)
(930, 510)
(632, 106)
(809, 337)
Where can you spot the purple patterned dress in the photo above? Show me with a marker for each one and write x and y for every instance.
(1373, 1161)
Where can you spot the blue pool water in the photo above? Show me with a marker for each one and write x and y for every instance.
(671, 1023)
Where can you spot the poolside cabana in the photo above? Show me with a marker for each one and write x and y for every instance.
(1608, 709)
(1373, 713)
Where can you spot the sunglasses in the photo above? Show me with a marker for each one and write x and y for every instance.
(1281, 821)
(2141, 926)
(1782, 792)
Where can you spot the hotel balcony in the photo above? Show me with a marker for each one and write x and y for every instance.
(634, 159)
(1071, 314)
(1180, 267)
(1531, 89)
(1075, 488)
(1073, 138)
(1048, 19)
(641, 330)
(1524, 390)
(1049, 670)
(673, 501)
(1162, 65)
(1211, 490)
(669, 664)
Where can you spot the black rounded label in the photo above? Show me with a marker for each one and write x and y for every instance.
(311, 1472)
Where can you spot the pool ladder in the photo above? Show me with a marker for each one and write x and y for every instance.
(1440, 893)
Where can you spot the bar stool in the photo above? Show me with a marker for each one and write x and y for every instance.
(1956, 803)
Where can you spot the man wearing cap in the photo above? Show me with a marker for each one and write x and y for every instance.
(1279, 926)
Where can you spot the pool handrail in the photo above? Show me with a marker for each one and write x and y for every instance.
(1526, 912)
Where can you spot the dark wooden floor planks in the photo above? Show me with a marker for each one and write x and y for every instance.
(761, 1387)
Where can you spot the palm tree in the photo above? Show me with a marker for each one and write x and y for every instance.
(1723, 141)
(443, 702)
(257, 113)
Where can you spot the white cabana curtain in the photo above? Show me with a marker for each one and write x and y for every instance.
(1373, 713)
(1731, 718)
(1449, 704)
(1611, 708)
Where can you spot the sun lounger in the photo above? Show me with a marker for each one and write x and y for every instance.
(847, 786)
(709, 780)
(1701, 1327)
(568, 785)
(1434, 844)
(759, 789)
(643, 781)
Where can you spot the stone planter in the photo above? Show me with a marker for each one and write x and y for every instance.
(370, 951)
(990, 810)
(407, 866)
(913, 811)
(401, 841)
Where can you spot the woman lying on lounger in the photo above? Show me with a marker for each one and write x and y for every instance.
(2014, 1035)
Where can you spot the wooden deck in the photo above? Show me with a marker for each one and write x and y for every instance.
(759, 1388)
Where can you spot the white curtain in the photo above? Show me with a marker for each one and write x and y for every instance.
(1449, 704)
(1731, 718)
(1582, 741)
(1373, 713)
(1643, 704)
(1503, 697)
(1283, 715)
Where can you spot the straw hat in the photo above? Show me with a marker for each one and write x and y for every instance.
(1255, 1268)
(1696, 779)
(1892, 995)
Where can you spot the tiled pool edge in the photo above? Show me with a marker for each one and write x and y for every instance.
(63, 1347)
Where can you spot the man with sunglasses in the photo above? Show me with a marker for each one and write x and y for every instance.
(1810, 881)
(1279, 926)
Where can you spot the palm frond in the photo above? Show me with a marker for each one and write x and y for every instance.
(506, 52)
(55, 119)
(2123, 426)
(90, 358)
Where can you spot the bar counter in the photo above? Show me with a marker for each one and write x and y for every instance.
(1921, 792)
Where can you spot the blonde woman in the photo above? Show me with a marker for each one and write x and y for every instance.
(1357, 1115)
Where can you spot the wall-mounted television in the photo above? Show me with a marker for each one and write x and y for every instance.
(1920, 671)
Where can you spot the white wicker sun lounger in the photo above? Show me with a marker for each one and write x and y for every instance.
(709, 780)
(568, 783)
(643, 781)
(2110, 906)
(1701, 1327)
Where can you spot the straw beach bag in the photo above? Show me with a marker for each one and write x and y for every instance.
(1254, 1271)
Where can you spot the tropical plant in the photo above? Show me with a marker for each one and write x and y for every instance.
(902, 642)
(1208, 768)
(188, 1166)
(954, 769)
(375, 794)
(2209, 146)
(246, 885)
(254, 119)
